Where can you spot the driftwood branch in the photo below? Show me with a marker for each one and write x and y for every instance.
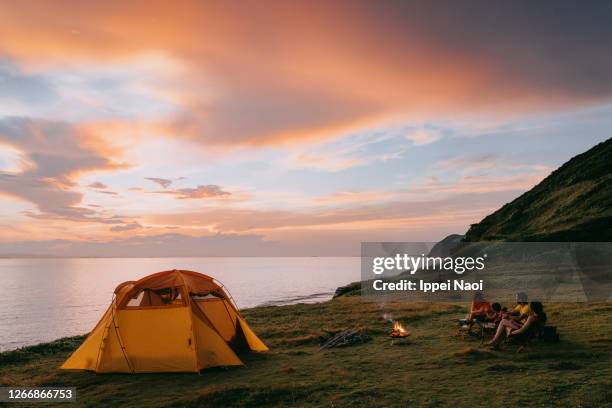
(346, 338)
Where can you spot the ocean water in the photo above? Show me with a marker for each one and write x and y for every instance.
(45, 299)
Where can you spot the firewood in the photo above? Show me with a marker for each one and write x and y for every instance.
(346, 338)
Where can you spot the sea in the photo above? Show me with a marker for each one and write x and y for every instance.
(45, 299)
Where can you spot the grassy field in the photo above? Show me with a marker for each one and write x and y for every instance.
(434, 369)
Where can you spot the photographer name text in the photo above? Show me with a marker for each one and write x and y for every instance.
(427, 287)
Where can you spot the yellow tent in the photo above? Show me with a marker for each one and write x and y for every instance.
(172, 321)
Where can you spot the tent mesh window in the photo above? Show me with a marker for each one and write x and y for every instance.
(204, 296)
(172, 296)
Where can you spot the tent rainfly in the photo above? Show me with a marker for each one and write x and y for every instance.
(172, 321)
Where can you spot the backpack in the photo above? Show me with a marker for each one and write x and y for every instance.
(549, 334)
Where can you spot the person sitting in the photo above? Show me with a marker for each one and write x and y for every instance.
(520, 313)
(536, 320)
(512, 327)
(491, 319)
(495, 314)
(478, 311)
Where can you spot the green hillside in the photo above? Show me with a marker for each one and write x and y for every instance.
(574, 203)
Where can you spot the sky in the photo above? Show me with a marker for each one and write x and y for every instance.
(285, 128)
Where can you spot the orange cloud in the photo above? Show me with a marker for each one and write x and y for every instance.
(354, 197)
(276, 72)
(199, 192)
(399, 214)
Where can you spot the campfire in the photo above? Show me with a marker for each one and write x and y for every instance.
(398, 331)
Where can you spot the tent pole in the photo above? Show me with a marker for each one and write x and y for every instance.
(123, 351)
(227, 292)
(193, 335)
(104, 336)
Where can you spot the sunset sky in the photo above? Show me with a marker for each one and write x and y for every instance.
(291, 128)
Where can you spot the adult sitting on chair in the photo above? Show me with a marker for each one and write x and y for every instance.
(535, 320)
(520, 313)
(479, 310)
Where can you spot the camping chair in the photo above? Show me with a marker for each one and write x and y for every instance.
(526, 339)
(486, 327)
(462, 328)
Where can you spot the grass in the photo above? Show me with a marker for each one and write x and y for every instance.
(574, 203)
(435, 369)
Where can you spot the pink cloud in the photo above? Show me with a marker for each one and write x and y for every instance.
(165, 183)
(97, 185)
(199, 192)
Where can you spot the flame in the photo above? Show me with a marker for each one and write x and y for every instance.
(397, 326)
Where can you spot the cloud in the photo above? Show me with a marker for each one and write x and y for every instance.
(423, 136)
(341, 198)
(107, 192)
(324, 78)
(324, 70)
(97, 185)
(481, 184)
(165, 183)
(289, 114)
(495, 167)
(427, 212)
(56, 153)
(476, 174)
(102, 188)
(74, 213)
(161, 245)
(353, 150)
(201, 191)
(328, 161)
(462, 206)
(126, 227)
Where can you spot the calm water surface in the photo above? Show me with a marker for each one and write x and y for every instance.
(45, 299)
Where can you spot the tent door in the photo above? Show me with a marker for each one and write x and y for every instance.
(158, 338)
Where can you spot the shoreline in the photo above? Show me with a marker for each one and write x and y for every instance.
(313, 298)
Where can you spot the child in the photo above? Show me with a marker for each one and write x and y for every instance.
(495, 314)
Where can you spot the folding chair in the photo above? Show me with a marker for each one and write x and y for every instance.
(486, 327)
(526, 339)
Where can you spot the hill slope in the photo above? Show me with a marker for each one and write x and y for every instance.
(574, 203)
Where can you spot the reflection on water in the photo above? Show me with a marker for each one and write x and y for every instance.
(44, 299)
